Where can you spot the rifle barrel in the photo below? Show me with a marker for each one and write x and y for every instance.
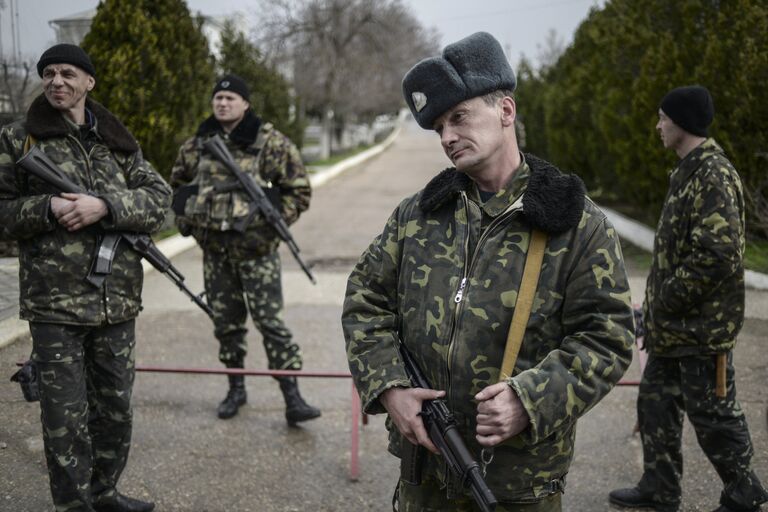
(220, 151)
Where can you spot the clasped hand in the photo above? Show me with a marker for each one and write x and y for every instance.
(500, 413)
(76, 211)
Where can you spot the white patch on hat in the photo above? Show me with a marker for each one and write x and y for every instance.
(225, 84)
(419, 100)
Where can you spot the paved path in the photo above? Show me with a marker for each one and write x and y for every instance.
(187, 460)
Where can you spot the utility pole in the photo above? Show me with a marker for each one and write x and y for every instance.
(2, 8)
(17, 42)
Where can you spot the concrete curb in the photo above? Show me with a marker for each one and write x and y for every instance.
(320, 178)
(12, 330)
(641, 236)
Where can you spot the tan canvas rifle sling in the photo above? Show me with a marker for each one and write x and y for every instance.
(523, 306)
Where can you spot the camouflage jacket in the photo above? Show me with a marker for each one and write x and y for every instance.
(106, 161)
(694, 299)
(443, 277)
(263, 152)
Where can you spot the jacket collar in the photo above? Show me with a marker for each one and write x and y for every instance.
(552, 202)
(45, 122)
(692, 161)
(244, 133)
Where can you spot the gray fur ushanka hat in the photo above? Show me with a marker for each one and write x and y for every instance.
(471, 67)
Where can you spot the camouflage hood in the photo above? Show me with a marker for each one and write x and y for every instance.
(694, 301)
(443, 277)
(107, 162)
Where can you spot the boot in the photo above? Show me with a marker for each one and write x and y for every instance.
(296, 409)
(122, 503)
(236, 396)
(632, 497)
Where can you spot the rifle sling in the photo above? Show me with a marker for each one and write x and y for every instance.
(524, 302)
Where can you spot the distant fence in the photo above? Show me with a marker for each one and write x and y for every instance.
(319, 145)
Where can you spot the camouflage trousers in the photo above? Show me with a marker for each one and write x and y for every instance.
(236, 285)
(429, 496)
(85, 376)
(672, 387)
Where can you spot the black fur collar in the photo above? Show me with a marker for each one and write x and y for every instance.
(244, 133)
(45, 122)
(553, 201)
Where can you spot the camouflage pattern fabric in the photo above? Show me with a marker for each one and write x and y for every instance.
(232, 283)
(54, 262)
(694, 308)
(85, 377)
(275, 164)
(443, 277)
(83, 336)
(243, 269)
(430, 497)
(694, 302)
(671, 387)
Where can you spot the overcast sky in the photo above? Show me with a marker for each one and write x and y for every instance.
(520, 25)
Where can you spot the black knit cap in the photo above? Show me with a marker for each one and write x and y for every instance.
(66, 54)
(232, 83)
(471, 67)
(690, 107)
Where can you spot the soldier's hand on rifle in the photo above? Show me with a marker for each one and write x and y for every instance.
(76, 211)
(500, 414)
(404, 407)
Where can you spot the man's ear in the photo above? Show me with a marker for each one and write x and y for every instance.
(508, 111)
(91, 83)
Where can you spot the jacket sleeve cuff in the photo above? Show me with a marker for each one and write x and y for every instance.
(530, 435)
(38, 210)
(372, 404)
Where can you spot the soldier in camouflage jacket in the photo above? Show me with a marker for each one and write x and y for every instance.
(83, 335)
(443, 279)
(693, 310)
(242, 269)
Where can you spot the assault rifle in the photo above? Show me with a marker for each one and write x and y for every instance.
(443, 432)
(38, 164)
(259, 202)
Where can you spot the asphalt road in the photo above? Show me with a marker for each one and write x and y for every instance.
(186, 459)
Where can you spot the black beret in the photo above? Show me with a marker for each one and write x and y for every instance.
(232, 83)
(690, 107)
(65, 54)
(471, 67)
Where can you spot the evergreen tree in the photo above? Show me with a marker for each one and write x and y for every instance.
(600, 100)
(154, 71)
(270, 91)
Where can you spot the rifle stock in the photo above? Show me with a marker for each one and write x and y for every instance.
(39, 165)
(444, 433)
(216, 147)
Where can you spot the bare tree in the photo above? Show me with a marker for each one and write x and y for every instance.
(15, 87)
(348, 56)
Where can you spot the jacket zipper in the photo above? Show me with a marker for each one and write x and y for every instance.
(457, 299)
(469, 264)
(87, 163)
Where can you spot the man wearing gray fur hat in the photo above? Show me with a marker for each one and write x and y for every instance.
(445, 278)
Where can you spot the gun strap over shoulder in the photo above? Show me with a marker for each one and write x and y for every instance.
(524, 302)
(29, 141)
